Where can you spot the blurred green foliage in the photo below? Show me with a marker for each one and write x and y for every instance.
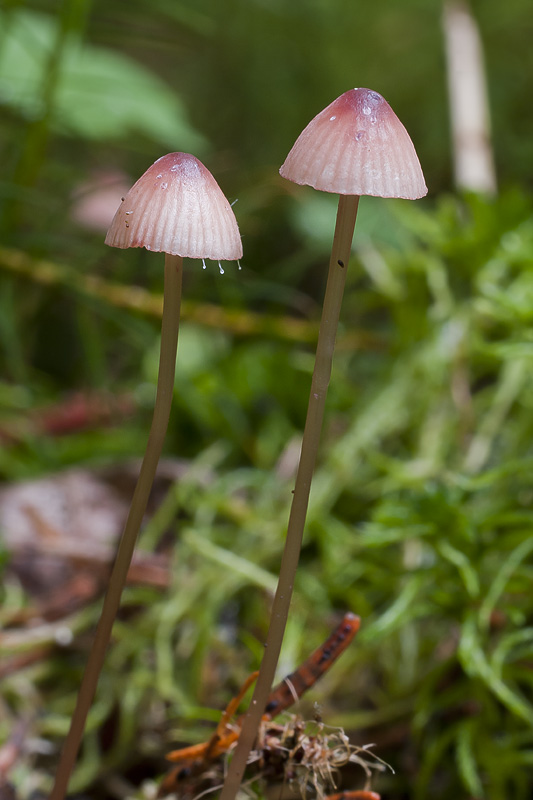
(422, 507)
(37, 47)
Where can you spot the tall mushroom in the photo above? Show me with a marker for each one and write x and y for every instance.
(177, 208)
(356, 146)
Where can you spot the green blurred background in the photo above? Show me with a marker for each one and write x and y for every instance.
(422, 510)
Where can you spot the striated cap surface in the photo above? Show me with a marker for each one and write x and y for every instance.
(177, 207)
(357, 145)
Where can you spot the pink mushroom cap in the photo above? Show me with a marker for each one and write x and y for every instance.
(177, 207)
(357, 146)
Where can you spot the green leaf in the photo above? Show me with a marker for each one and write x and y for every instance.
(252, 573)
(401, 610)
(100, 94)
(466, 760)
(466, 570)
(518, 644)
(509, 566)
(476, 665)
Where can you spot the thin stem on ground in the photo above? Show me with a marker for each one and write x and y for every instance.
(163, 403)
(338, 265)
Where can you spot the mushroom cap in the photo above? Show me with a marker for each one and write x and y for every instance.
(177, 207)
(357, 145)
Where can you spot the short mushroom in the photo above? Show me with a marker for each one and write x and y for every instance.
(177, 208)
(355, 146)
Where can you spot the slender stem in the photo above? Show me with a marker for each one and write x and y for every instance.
(340, 254)
(163, 402)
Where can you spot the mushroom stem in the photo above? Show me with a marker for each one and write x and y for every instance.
(338, 265)
(163, 402)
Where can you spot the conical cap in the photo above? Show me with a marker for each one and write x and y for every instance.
(177, 207)
(357, 145)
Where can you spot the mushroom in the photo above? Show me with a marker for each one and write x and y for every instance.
(355, 146)
(177, 208)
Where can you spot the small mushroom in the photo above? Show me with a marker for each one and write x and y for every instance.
(177, 208)
(355, 146)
